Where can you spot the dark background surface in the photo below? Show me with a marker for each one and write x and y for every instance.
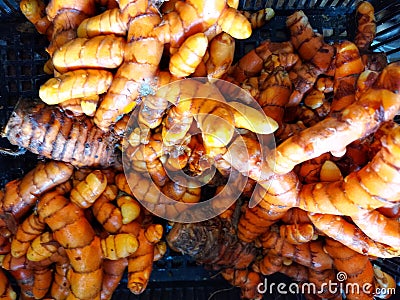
(177, 277)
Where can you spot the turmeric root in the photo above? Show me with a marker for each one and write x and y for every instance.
(134, 78)
(196, 16)
(297, 233)
(212, 242)
(75, 84)
(247, 280)
(360, 189)
(113, 272)
(66, 17)
(218, 58)
(259, 18)
(20, 195)
(351, 236)
(272, 204)
(30, 228)
(185, 61)
(74, 232)
(348, 67)
(42, 247)
(309, 254)
(356, 266)
(361, 115)
(107, 213)
(74, 141)
(378, 227)
(108, 22)
(366, 26)
(140, 263)
(104, 51)
(317, 55)
(35, 12)
(6, 290)
(119, 246)
(85, 193)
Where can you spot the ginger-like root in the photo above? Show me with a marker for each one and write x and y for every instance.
(366, 26)
(356, 266)
(119, 246)
(360, 189)
(213, 243)
(108, 22)
(218, 57)
(99, 52)
(21, 195)
(35, 12)
(74, 232)
(76, 141)
(348, 67)
(6, 290)
(135, 77)
(378, 227)
(75, 84)
(30, 228)
(113, 272)
(246, 280)
(351, 236)
(185, 61)
(85, 193)
(140, 263)
(42, 247)
(259, 18)
(272, 205)
(316, 54)
(354, 122)
(130, 208)
(66, 17)
(297, 233)
(309, 254)
(107, 213)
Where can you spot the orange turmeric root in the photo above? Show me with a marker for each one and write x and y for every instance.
(351, 236)
(316, 54)
(99, 52)
(185, 61)
(85, 193)
(357, 267)
(21, 194)
(35, 12)
(259, 18)
(360, 189)
(74, 232)
(135, 77)
(378, 227)
(348, 67)
(354, 122)
(6, 290)
(113, 272)
(28, 230)
(366, 26)
(140, 263)
(66, 17)
(109, 22)
(218, 57)
(309, 254)
(75, 84)
(247, 280)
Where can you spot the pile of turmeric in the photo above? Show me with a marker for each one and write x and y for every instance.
(327, 194)
(78, 225)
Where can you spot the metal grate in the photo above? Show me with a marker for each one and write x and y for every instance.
(22, 56)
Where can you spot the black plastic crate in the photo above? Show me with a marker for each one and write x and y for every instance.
(177, 277)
